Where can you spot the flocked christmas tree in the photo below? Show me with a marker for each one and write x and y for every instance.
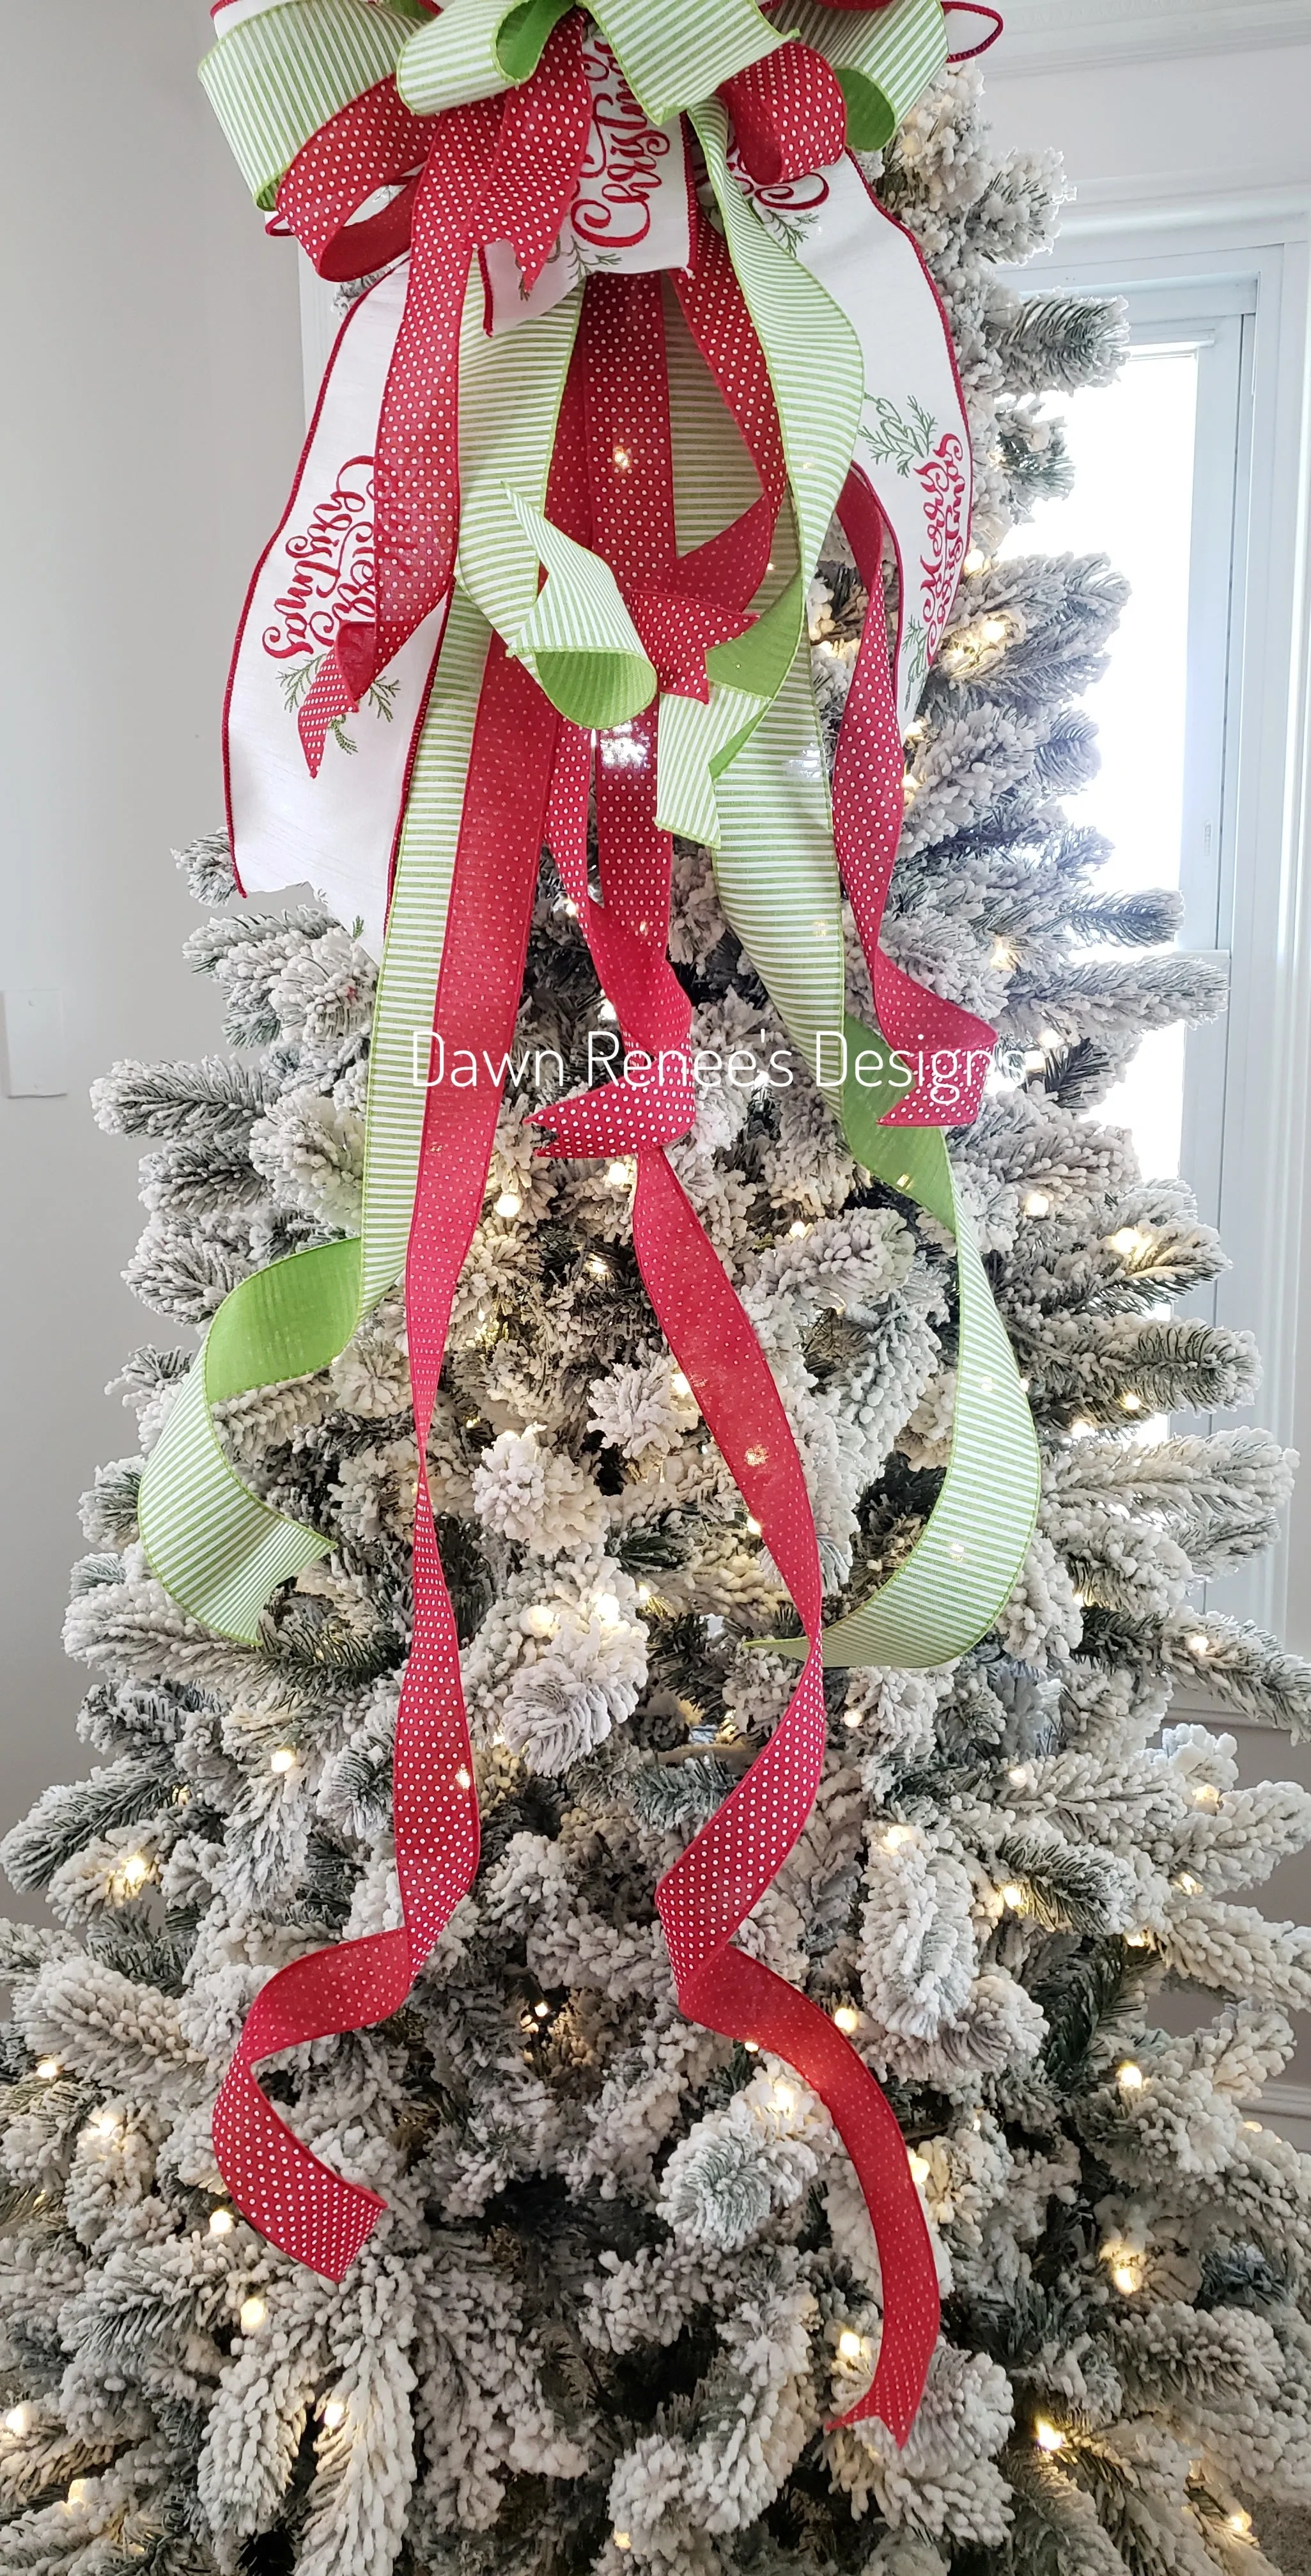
(627, 2275)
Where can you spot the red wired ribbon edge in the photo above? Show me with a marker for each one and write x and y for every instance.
(529, 777)
(501, 169)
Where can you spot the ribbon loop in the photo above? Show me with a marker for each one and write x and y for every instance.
(789, 114)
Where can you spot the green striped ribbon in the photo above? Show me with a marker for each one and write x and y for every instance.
(884, 60)
(282, 74)
(778, 882)
(474, 49)
(674, 53)
(215, 1546)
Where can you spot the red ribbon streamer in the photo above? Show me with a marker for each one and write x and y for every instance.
(709, 1892)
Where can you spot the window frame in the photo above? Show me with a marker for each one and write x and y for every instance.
(1239, 271)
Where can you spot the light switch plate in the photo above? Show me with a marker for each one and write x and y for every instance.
(35, 1063)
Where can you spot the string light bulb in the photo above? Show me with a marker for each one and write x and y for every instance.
(77, 2492)
(1240, 2524)
(896, 1835)
(1131, 1242)
(15, 2421)
(254, 2314)
(682, 1386)
(622, 2539)
(850, 2345)
(509, 1203)
(48, 2068)
(1206, 1794)
(1012, 1896)
(606, 1610)
(221, 2222)
(1125, 2277)
(920, 2168)
(334, 2414)
(542, 2011)
(283, 1760)
(1198, 1644)
(1037, 1203)
(784, 2100)
(134, 1871)
(1130, 2077)
(753, 1525)
(798, 1231)
(106, 2124)
(1048, 2437)
(597, 1268)
(617, 1176)
(847, 2019)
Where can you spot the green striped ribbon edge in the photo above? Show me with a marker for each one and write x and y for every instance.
(281, 75)
(674, 53)
(884, 59)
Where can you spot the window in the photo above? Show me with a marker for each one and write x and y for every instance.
(1187, 476)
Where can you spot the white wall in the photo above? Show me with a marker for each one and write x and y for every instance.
(151, 418)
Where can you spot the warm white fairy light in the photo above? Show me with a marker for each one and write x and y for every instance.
(920, 2169)
(1131, 1242)
(16, 2421)
(542, 2011)
(1206, 1794)
(1125, 2277)
(799, 1230)
(1018, 1776)
(597, 1268)
(254, 2314)
(221, 2222)
(106, 2124)
(509, 1203)
(783, 2099)
(622, 2539)
(847, 2019)
(334, 2414)
(133, 1871)
(1187, 1884)
(1048, 2437)
(1198, 1644)
(541, 1620)
(77, 2493)
(1130, 2077)
(618, 1176)
(283, 1760)
(1037, 1203)
(752, 2047)
(850, 2346)
(48, 2068)
(1131, 1403)
(753, 1525)
(681, 1385)
(1240, 2524)
(606, 1610)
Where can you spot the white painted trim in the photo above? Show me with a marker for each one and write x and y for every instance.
(1073, 35)
(1286, 2108)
